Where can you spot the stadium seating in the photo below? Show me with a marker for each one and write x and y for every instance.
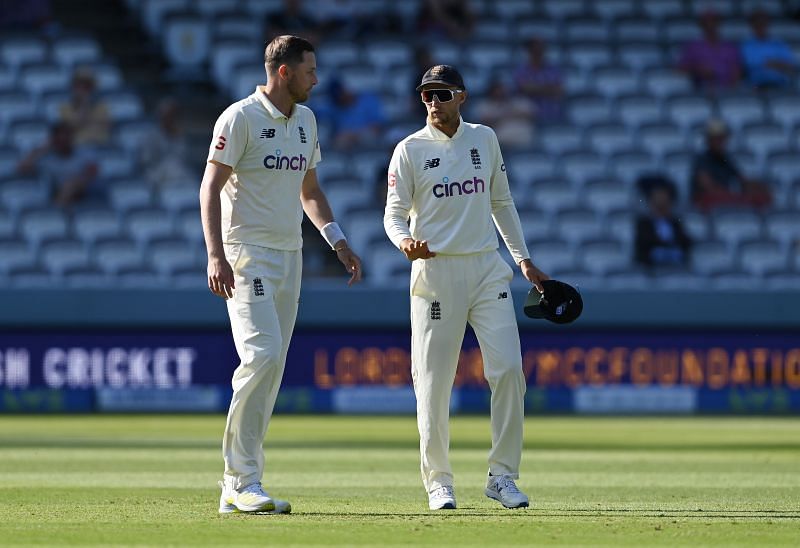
(627, 112)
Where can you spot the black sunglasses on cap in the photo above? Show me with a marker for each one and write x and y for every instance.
(441, 95)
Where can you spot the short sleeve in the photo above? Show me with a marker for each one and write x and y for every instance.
(316, 156)
(230, 138)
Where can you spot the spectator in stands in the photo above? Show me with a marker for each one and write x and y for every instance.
(69, 168)
(718, 181)
(85, 112)
(660, 240)
(355, 117)
(541, 82)
(712, 64)
(769, 62)
(451, 19)
(511, 116)
(164, 151)
(293, 18)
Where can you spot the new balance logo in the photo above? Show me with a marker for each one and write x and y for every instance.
(258, 287)
(430, 164)
(268, 133)
(302, 134)
(436, 311)
(502, 295)
(475, 156)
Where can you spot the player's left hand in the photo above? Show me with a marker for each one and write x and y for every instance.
(351, 262)
(533, 274)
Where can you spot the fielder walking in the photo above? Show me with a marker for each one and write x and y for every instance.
(450, 179)
(259, 178)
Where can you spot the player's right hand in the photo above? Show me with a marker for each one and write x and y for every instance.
(416, 249)
(220, 278)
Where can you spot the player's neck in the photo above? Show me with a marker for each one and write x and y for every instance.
(448, 129)
(280, 98)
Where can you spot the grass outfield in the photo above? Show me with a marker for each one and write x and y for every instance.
(151, 480)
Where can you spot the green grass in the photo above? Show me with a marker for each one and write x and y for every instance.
(151, 480)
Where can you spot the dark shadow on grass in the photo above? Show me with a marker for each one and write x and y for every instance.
(523, 513)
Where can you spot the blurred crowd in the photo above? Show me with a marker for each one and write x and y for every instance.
(516, 104)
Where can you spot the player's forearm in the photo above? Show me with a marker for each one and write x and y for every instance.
(211, 215)
(510, 227)
(395, 223)
(316, 207)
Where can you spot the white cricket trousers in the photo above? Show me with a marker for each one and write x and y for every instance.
(446, 293)
(262, 313)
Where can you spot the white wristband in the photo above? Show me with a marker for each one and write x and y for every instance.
(332, 233)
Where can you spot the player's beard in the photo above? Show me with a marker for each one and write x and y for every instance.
(297, 93)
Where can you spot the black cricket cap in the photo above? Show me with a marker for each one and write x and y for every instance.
(560, 302)
(442, 74)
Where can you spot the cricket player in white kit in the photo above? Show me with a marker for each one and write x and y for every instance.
(450, 179)
(259, 178)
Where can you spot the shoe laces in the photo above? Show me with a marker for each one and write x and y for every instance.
(444, 491)
(506, 483)
(256, 489)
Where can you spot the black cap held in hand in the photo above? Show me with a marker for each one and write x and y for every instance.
(442, 74)
(560, 302)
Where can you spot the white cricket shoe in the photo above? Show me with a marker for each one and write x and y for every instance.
(252, 498)
(503, 489)
(442, 498)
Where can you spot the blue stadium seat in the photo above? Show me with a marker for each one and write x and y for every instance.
(129, 194)
(735, 226)
(614, 9)
(606, 195)
(19, 195)
(664, 83)
(740, 110)
(16, 254)
(580, 225)
(513, 10)
(711, 257)
(146, 225)
(553, 196)
(758, 258)
(785, 110)
(74, 50)
(44, 77)
(608, 139)
(642, 56)
(115, 255)
(43, 225)
(59, 256)
(638, 110)
(170, 256)
(92, 225)
(560, 9)
(637, 30)
(689, 110)
(19, 51)
(552, 255)
(662, 139)
(601, 257)
(613, 82)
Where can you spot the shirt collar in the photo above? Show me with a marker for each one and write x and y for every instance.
(439, 135)
(261, 95)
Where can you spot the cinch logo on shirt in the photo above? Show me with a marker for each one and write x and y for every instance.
(445, 189)
(293, 163)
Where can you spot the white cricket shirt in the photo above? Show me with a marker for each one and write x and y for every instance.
(270, 155)
(452, 188)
